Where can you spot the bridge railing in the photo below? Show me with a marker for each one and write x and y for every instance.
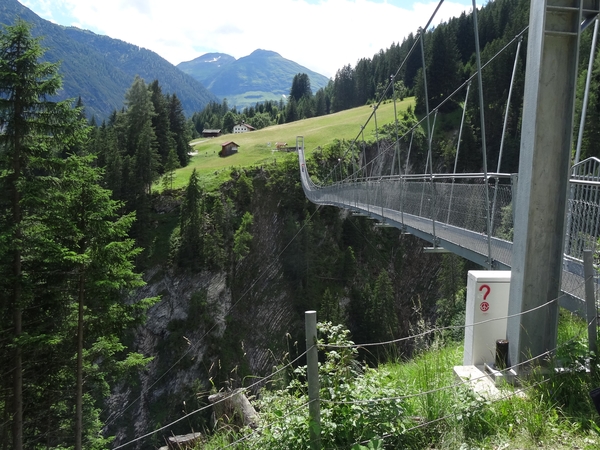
(440, 201)
(583, 219)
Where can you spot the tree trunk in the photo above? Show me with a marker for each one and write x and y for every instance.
(235, 410)
(79, 395)
(17, 300)
(18, 384)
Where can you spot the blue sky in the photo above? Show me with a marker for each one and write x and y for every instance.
(322, 35)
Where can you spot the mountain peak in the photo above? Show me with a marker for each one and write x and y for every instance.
(262, 75)
(264, 53)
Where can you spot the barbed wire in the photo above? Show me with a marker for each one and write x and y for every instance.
(453, 386)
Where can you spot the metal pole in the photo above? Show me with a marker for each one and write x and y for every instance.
(462, 122)
(404, 184)
(376, 129)
(544, 169)
(498, 167)
(590, 303)
(586, 92)
(397, 149)
(312, 374)
(483, 143)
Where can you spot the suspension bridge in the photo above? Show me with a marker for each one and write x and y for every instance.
(556, 211)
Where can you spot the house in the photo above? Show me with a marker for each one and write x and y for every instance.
(243, 128)
(228, 149)
(208, 133)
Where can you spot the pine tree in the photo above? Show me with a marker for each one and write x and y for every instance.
(31, 125)
(300, 87)
(179, 129)
(65, 261)
(161, 124)
(190, 253)
(171, 164)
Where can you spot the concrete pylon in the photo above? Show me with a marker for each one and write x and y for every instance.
(546, 140)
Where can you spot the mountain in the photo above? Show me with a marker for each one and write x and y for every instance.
(101, 69)
(262, 75)
(206, 67)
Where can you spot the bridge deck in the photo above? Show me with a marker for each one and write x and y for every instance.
(466, 243)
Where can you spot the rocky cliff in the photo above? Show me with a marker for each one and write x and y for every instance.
(220, 329)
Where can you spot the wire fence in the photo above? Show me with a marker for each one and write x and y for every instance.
(334, 347)
(247, 388)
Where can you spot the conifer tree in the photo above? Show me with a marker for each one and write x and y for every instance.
(141, 138)
(31, 125)
(179, 129)
(171, 164)
(161, 123)
(65, 262)
(300, 87)
(190, 252)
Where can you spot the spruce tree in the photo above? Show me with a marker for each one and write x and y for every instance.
(161, 124)
(30, 126)
(190, 253)
(90, 245)
(171, 164)
(65, 260)
(141, 138)
(179, 129)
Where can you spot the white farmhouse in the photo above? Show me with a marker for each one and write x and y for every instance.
(243, 128)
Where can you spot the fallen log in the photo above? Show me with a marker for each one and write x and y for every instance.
(233, 409)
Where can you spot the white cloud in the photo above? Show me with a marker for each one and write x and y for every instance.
(322, 36)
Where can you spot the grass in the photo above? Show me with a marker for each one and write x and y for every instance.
(258, 147)
(552, 412)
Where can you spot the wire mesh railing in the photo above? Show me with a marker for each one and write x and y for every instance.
(453, 208)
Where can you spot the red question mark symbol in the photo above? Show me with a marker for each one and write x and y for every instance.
(485, 286)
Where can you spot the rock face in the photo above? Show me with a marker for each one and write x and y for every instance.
(217, 331)
(179, 359)
(208, 331)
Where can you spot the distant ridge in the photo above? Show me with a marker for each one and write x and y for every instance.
(101, 69)
(262, 75)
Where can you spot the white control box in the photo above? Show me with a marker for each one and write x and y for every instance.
(487, 302)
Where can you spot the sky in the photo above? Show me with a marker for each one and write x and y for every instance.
(321, 35)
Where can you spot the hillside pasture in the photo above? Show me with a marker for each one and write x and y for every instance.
(258, 147)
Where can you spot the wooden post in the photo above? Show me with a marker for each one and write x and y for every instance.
(312, 373)
(590, 303)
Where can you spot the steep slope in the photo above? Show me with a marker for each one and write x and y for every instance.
(223, 328)
(262, 75)
(101, 69)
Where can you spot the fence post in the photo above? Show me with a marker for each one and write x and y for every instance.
(590, 302)
(312, 373)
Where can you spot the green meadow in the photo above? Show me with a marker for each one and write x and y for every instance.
(258, 147)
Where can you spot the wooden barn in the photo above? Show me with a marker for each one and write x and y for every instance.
(228, 149)
(207, 133)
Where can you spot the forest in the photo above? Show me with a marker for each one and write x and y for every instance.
(83, 223)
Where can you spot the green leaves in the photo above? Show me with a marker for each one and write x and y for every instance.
(242, 237)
